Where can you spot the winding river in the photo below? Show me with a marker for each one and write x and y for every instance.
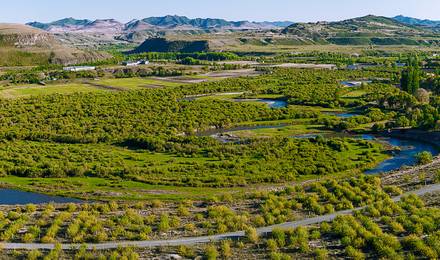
(403, 156)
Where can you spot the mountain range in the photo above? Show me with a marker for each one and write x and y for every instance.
(367, 30)
(169, 22)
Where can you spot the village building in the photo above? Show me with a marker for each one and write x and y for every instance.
(79, 68)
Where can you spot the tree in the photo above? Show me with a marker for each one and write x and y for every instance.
(410, 78)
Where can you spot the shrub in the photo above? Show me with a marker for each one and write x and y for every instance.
(252, 235)
(321, 254)
(34, 255)
(424, 158)
(211, 252)
(354, 253)
(226, 249)
(31, 208)
(279, 256)
(280, 236)
(272, 245)
(164, 224)
(186, 252)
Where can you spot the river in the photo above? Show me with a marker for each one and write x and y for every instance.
(404, 156)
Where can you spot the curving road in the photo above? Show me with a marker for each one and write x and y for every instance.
(207, 239)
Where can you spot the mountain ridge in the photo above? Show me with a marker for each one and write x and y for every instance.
(364, 30)
(168, 22)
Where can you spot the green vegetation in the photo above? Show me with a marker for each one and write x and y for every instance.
(156, 136)
(187, 145)
(147, 136)
(113, 221)
(410, 80)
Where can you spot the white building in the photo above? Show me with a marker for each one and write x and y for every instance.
(134, 63)
(79, 68)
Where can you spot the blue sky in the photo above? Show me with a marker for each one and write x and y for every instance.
(257, 10)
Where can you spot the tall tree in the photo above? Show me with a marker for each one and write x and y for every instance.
(410, 78)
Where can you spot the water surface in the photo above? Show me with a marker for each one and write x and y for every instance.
(16, 197)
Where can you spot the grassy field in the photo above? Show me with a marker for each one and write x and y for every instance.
(18, 91)
(297, 127)
(136, 83)
(36, 90)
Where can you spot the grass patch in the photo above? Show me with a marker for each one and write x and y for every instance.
(137, 83)
(38, 90)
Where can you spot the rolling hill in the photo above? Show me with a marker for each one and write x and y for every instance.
(363, 31)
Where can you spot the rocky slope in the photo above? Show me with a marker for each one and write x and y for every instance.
(25, 45)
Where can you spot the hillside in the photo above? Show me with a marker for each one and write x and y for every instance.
(22, 45)
(163, 45)
(361, 31)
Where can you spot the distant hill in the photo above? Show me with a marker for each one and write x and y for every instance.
(22, 45)
(417, 22)
(361, 31)
(67, 22)
(168, 23)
